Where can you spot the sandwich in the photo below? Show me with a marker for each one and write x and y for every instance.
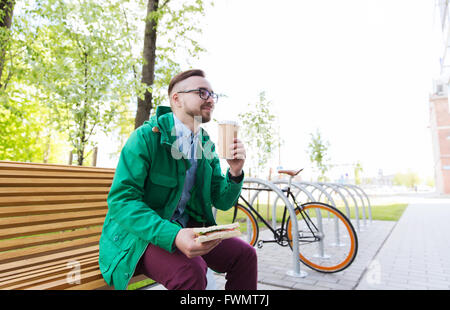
(217, 232)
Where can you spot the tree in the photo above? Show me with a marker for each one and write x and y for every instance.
(6, 14)
(172, 23)
(358, 170)
(318, 153)
(82, 64)
(258, 133)
(408, 179)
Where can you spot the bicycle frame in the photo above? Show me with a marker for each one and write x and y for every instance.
(280, 233)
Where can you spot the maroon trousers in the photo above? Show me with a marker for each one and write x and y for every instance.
(175, 271)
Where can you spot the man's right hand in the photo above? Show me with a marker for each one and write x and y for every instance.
(185, 242)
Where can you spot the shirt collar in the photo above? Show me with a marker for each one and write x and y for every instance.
(184, 134)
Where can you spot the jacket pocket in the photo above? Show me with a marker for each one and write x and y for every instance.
(159, 189)
(113, 246)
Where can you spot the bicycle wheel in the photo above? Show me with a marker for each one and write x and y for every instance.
(247, 222)
(327, 239)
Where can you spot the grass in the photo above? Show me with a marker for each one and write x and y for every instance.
(140, 284)
(390, 212)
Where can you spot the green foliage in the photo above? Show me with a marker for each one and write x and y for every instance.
(73, 68)
(259, 133)
(177, 28)
(408, 179)
(358, 171)
(80, 60)
(318, 153)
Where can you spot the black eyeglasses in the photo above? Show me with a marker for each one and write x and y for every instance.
(203, 93)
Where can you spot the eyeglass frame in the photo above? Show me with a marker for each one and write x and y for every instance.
(212, 94)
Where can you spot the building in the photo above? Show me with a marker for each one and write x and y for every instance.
(439, 104)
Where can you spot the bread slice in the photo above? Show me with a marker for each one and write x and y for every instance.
(217, 232)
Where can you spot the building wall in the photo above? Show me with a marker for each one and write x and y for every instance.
(440, 132)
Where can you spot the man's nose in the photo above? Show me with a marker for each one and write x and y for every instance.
(211, 101)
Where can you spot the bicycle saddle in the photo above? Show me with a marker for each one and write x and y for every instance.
(292, 173)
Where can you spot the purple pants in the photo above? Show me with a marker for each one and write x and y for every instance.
(175, 271)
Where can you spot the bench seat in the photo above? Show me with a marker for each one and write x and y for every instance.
(51, 218)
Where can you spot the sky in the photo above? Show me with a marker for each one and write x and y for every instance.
(360, 71)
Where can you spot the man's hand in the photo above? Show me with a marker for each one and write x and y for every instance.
(237, 163)
(185, 242)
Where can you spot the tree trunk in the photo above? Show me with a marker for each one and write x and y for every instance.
(6, 9)
(144, 106)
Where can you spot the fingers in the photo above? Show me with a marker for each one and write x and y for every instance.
(238, 149)
(199, 249)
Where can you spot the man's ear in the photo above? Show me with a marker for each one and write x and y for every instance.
(175, 99)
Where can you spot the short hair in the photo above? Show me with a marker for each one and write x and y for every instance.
(183, 76)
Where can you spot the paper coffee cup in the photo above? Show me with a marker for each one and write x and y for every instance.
(228, 131)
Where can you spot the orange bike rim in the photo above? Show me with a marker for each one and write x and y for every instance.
(352, 248)
(253, 224)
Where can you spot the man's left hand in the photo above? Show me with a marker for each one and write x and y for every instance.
(237, 163)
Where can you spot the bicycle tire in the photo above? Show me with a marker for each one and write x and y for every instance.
(331, 257)
(245, 218)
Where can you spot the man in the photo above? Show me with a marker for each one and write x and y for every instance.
(166, 182)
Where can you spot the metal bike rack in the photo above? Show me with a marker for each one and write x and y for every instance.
(349, 186)
(296, 272)
(367, 198)
(298, 186)
(337, 190)
(301, 188)
(321, 190)
(333, 189)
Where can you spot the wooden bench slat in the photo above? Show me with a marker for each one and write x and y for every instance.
(57, 270)
(26, 200)
(43, 265)
(49, 218)
(47, 228)
(55, 167)
(54, 190)
(53, 181)
(55, 174)
(41, 250)
(61, 284)
(52, 257)
(13, 244)
(53, 208)
(56, 281)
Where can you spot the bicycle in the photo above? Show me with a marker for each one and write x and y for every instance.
(327, 240)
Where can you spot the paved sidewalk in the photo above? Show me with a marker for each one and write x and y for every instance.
(413, 253)
(417, 253)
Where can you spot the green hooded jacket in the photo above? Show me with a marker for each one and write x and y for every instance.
(145, 192)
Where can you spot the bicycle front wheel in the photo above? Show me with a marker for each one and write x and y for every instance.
(247, 222)
(327, 239)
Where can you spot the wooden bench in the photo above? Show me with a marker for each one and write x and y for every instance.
(51, 218)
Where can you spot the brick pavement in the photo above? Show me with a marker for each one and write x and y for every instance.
(417, 253)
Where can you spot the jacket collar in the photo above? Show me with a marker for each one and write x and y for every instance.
(164, 121)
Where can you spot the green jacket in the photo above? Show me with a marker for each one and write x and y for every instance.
(147, 186)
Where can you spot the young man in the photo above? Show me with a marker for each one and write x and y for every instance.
(166, 182)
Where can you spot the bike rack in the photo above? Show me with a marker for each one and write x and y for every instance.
(321, 189)
(296, 272)
(355, 187)
(319, 215)
(335, 189)
(298, 186)
(337, 186)
(349, 186)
